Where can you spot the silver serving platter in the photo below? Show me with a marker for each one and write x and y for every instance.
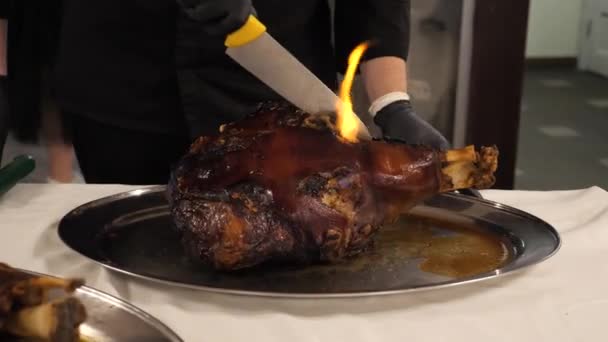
(110, 319)
(451, 239)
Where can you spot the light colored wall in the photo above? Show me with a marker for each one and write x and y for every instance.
(553, 28)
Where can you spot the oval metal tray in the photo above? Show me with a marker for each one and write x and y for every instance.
(449, 240)
(110, 319)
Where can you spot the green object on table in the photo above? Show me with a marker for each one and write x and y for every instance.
(15, 171)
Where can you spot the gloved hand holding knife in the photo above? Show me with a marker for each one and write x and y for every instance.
(392, 111)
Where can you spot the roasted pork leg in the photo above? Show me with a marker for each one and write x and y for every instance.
(283, 186)
(27, 308)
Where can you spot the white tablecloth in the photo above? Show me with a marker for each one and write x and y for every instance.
(562, 299)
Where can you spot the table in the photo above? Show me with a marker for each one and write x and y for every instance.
(562, 299)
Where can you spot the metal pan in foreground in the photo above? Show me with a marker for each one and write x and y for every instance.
(450, 240)
(110, 319)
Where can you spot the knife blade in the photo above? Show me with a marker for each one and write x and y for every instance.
(260, 54)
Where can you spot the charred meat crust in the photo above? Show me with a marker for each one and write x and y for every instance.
(282, 186)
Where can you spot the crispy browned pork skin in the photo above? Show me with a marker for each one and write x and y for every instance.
(282, 186)
(27, 309)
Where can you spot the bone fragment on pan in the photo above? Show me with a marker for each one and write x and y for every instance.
(39, 307)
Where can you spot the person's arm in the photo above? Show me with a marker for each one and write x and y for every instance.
(3, 36)
(3, 72)
(3, 40)
(385, 24)
(384, 75)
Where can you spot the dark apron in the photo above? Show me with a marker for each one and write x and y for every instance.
(215, 90)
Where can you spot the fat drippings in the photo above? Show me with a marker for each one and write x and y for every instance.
(455, 252)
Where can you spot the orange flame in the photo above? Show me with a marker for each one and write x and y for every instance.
(347, 122)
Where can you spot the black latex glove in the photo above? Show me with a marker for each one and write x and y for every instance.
(398, 121)
(218, 17)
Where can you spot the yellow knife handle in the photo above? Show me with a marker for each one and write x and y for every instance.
(249, 32)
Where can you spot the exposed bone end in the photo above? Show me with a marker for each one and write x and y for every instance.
(56, 321)
(467, 153)
(466, 168)
(34, 291)
(68, 285)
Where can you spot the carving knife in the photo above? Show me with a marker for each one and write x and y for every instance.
(256, 51)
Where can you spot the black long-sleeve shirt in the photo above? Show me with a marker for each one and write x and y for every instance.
(142, 64)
